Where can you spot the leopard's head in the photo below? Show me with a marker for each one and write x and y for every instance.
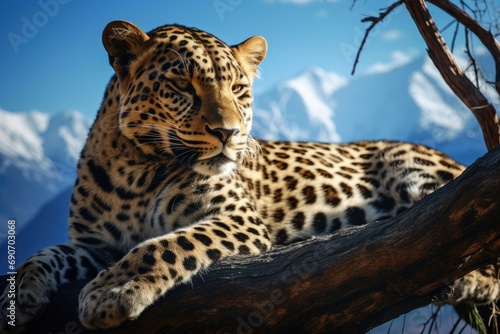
(184, 94)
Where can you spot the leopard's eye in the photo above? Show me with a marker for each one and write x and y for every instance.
(237, 88)
(182, 84)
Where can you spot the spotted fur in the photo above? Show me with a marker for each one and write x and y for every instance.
(170, 180)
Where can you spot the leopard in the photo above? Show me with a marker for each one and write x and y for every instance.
(170, 180)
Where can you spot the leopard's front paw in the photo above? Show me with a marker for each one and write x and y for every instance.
(109, 300)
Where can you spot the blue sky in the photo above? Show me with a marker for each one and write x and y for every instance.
(52, 59)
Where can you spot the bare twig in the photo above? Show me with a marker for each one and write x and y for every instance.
(374, 21)
(472, 59)
(431, 321)
(455, 326)
(455, 34)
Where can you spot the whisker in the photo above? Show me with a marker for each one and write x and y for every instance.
(184, 60)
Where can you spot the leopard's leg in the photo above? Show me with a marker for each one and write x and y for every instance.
(474, 297)
(481, 286)
(153, 267)
(39, 276)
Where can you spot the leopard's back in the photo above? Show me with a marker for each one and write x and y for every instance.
(303, 189)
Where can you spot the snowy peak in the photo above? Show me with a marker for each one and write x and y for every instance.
(38, 154)
(438, 105)
(32, 140)
(20, 135)
(68, 129)
(399, 103)
(321, 82)
(298, 106)
(315, 87)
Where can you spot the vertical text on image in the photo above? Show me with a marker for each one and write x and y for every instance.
(11, 246)
(11, 278)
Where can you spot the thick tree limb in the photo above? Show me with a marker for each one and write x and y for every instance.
(451, 71)
(348, 282)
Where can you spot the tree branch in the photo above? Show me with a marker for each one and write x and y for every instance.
(349, 282)
(451, 71)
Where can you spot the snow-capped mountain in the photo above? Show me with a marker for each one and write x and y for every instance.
(301, 108)
(410, 103)
(38, 154)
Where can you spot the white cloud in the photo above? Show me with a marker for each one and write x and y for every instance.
(398, 58)
(391, 35)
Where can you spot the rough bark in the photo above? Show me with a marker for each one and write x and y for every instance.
(444, 61)
(348, 282)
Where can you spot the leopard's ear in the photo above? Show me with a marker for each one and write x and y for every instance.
(250, 54)
(123, 41)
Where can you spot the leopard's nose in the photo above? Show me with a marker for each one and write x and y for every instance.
(223, 134)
